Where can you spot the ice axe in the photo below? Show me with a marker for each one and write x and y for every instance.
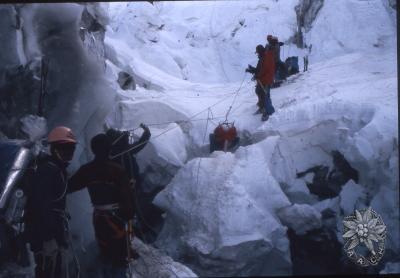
(261, 85)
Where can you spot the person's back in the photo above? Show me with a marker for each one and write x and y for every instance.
(111, 194)
(107, 184)
(267, 71)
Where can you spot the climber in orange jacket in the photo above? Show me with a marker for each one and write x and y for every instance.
(265, 78)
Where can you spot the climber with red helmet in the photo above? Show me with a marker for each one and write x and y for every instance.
(46, 220)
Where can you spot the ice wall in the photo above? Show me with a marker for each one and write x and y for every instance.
(353, 26)
(202, 41)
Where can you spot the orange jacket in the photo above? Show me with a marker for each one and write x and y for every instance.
(267, 71)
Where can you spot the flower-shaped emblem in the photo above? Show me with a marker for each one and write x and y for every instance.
(365, 228)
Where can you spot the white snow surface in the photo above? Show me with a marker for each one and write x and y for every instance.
(227, 212)
(301, 218)
(222, 208)
(205, 41)
(352, 197)
(153, 263)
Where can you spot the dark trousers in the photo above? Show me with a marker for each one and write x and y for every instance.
(305, 60)
(261, 97)
(269, 108)
(47, 267)
(111, 237)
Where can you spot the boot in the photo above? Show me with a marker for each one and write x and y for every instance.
(264, 117)
(259, 111)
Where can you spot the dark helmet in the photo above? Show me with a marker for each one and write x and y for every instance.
(260, 49)
(101, 145)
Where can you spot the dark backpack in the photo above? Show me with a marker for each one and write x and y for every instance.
(292, 64)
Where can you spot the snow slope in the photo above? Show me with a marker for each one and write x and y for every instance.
(203, 41)
(221, 206)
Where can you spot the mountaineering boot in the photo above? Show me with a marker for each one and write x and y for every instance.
(259, 111)
(264, 117)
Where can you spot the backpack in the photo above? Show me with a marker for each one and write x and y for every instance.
(292, 64)
(13, 198)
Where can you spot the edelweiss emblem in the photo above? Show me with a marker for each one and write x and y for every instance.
(364, 228)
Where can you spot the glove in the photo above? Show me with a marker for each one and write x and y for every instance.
(247, 70)
(142, 125)
(145, 128)
(253, 78)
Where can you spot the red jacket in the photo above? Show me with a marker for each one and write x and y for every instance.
(267, 70)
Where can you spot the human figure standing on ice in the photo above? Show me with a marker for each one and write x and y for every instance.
(124, 153)
(46, 217)
(265, 78)
(264, 74)
(280, 67)
(305, 58)
(254, 70)
(112, 195)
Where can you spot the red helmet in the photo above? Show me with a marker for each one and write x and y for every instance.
(61, 135)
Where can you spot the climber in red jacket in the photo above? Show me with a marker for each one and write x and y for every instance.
(265, 78)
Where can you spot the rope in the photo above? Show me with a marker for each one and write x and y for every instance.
(119, 137)
(234, 98)
(204, 139)
(190, 119)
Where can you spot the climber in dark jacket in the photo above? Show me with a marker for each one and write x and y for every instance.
(124, 153)
(255, 70)
(111, 193)
(46, 218)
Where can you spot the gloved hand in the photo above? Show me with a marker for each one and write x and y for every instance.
(145, 128)
(248, 69)
(50, 248)
(142, 125)
(253, 78)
